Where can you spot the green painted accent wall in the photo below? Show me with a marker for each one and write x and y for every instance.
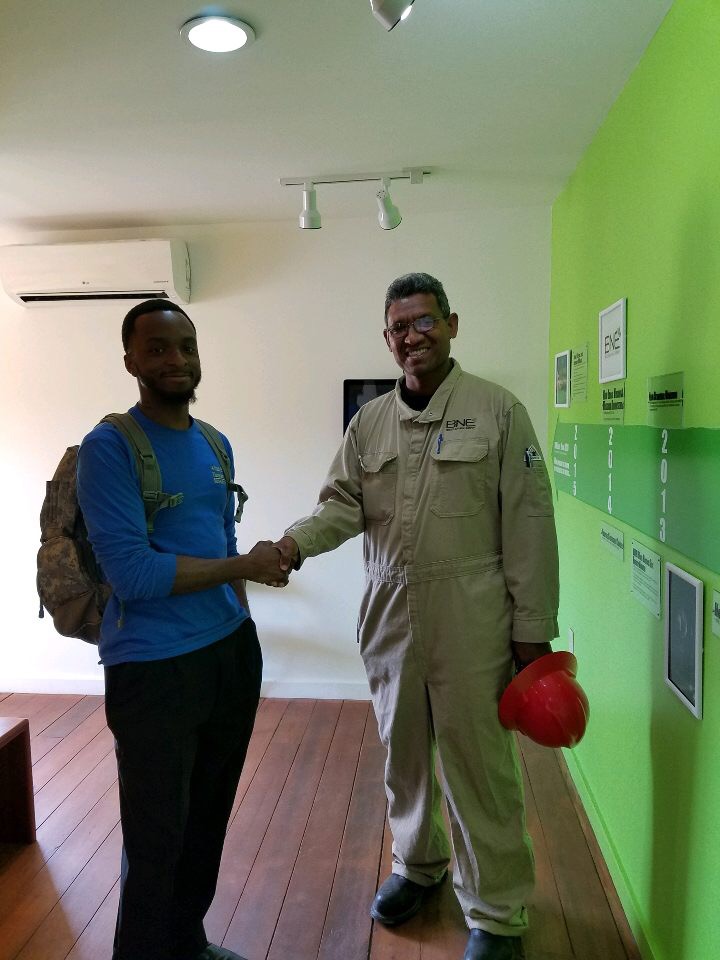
(640, 218)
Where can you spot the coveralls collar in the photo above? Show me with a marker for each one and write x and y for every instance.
(435, 410)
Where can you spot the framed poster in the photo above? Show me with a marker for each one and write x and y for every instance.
(562, 379)
(358, 392)
(579, 372)
(684, 636)
(612, 336)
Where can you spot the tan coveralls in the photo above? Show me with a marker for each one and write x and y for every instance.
(460, 558)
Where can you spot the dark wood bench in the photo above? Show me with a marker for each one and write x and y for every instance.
(17, 809)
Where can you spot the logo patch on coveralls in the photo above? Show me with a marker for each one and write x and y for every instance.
(467, 424)
(532, 455)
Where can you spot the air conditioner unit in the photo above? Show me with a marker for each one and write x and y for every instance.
(40, 274)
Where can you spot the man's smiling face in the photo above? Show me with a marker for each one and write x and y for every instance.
(424, 357)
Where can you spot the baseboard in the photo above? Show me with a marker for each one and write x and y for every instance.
(83, 685)
(315, 690)
(617, 877)
(279, 689)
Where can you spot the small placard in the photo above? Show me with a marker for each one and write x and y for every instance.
(613, 403)
(645, 577)
(613, 540)
(716, 613)
(579, 378)
(666, 400)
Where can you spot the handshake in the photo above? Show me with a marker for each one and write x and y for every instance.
(270, 563)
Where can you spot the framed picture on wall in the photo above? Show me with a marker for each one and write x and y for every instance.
(358, 392)
(612, 335)
(562, 379)
(684, 636)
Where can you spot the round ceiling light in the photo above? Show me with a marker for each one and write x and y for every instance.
(217, 34)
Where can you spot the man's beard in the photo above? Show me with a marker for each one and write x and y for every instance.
(173, 398)
(179, 399)
(176, 399)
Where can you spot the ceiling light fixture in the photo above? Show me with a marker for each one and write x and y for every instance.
(391, 12)
(310, 217)
(388, 216)
(217, 34)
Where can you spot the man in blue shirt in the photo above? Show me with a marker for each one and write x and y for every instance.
(180, 651)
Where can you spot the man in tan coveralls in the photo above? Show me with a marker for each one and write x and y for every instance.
(444, 478)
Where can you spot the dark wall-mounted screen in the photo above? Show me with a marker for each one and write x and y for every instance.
(358, 392)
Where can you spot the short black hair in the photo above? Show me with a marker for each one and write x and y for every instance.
(147, 306)
(412, 283)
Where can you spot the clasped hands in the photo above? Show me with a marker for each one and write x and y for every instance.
(274, 561)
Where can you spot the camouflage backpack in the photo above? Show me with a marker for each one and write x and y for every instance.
(70, 583)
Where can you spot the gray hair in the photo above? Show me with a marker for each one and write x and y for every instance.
(412, 283)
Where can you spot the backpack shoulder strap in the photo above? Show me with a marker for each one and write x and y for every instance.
(153, 497)
(216, 442)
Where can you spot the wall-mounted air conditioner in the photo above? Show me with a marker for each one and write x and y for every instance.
(130, 270)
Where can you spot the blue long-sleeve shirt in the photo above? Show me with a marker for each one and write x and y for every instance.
(143, 619)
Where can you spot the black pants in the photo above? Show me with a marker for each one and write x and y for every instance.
(181, 727)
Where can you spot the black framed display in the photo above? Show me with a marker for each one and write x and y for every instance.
(358, 392)
(684, 636)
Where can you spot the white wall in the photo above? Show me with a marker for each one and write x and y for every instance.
(283, 316)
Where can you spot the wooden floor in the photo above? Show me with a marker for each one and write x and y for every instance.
(306, 847)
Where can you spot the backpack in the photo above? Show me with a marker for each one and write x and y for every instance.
(70, 582)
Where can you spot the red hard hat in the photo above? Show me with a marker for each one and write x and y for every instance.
(545, 702)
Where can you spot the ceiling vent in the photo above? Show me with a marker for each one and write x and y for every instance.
(36, 275)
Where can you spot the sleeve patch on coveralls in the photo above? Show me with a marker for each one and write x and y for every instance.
(532, 455)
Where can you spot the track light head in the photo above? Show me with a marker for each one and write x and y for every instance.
(391, 12)
(388, 215)
(310, 217)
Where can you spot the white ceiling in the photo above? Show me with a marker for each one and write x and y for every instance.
(108, 119)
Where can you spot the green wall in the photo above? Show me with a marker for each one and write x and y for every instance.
(640, 218)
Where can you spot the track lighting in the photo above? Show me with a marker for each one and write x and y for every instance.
(309, 217)
(388, 215)
(391, 12)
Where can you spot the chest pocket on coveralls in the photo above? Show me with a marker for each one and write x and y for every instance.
(379, 482)
(459, 478)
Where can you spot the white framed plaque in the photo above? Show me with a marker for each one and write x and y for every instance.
(562, 379)
(684, 637)
(612, 341)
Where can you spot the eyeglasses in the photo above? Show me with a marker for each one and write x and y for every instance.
(423, 325)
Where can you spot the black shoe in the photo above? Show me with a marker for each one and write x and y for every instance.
(213, 952)
(398, 899)
(482, 945)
